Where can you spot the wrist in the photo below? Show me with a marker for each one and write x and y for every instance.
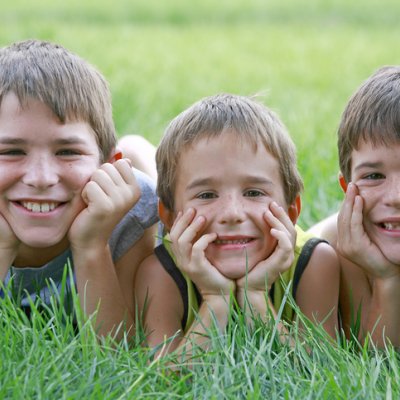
(7, 256)
(96, 252)
(215, 301)
(390, 285)
(251, 293)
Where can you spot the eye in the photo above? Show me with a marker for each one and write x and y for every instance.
(374, 176)
(67, 152)
(253, 193)
(206, 195)
(12, 152)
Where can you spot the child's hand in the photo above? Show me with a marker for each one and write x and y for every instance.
(189, 249)
(268, 270)
(110, 193)
(8, 241)
(354, 243)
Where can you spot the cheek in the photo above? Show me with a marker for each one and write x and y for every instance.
(369, 197)
(9, 176)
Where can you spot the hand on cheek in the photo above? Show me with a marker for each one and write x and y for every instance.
(354, 243)
(8, 241)
(282, 256)
(189, 246)
(110, 193)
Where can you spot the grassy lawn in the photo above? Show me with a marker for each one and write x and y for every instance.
(306, 58)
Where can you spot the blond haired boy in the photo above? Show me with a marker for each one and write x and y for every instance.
(229, 197)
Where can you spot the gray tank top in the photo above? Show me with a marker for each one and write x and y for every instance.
(46, 281)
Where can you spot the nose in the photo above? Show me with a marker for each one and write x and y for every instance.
(41, 172)
(232, 210)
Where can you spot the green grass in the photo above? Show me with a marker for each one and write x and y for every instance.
(43, 358)
(306, 58)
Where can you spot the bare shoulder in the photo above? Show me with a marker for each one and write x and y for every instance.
(322, 274)
(159, 301)
(326, 229)
(324, 260)
(318, 290)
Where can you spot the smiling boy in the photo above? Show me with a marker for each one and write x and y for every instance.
(367, 233)
(65, 194)
(229, 197)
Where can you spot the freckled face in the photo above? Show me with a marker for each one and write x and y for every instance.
(232, 185)
(44, 166)
(376, 172)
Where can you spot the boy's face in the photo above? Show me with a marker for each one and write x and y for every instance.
(376, 172)
(43, 167)
(231, 185)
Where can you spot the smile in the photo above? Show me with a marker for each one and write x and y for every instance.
(391, 226)
(39, 207)
(235, 241)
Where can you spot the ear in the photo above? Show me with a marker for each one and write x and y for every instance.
(167, 216)
(342, 182)
(294, 209)
(115, 155)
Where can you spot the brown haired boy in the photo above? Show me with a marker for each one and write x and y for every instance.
(367, 232)
(65, 194)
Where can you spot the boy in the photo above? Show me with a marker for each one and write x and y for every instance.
(229, 197)
(367, 233)
(65, 194)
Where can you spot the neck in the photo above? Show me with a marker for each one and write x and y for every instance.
(36, 257)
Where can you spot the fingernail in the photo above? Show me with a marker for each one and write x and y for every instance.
(128, 160)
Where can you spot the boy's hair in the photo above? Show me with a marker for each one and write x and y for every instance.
(371, 115)
(246, 119)
(71, 87)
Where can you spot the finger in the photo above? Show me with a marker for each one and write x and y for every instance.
(123, 197)
(346, 214)
(181, 222)
(281, 217)
(193, 231)
(284, 240)
(120, 172)
(93, 193)
(199, 248)
(281, 221)
(356, 221)
(201, 245)
(124, 167)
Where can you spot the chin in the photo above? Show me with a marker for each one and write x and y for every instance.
(233, 272)
(40, 241)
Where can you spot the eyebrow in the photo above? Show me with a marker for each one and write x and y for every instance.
(11, 140)
(254, 179)
(70, 140)
(368, 164)
(60, 141)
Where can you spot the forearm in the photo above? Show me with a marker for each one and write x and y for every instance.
(257, 304)
(253, 303)
(383, 320)
(99, 290)
(6, 259)
(214, 311)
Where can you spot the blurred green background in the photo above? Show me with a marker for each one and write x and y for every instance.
(305, 57)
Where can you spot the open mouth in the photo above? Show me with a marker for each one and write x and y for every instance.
(42, 207)
(390, 226)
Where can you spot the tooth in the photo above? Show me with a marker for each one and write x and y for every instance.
(45, 207)
(36, 207)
